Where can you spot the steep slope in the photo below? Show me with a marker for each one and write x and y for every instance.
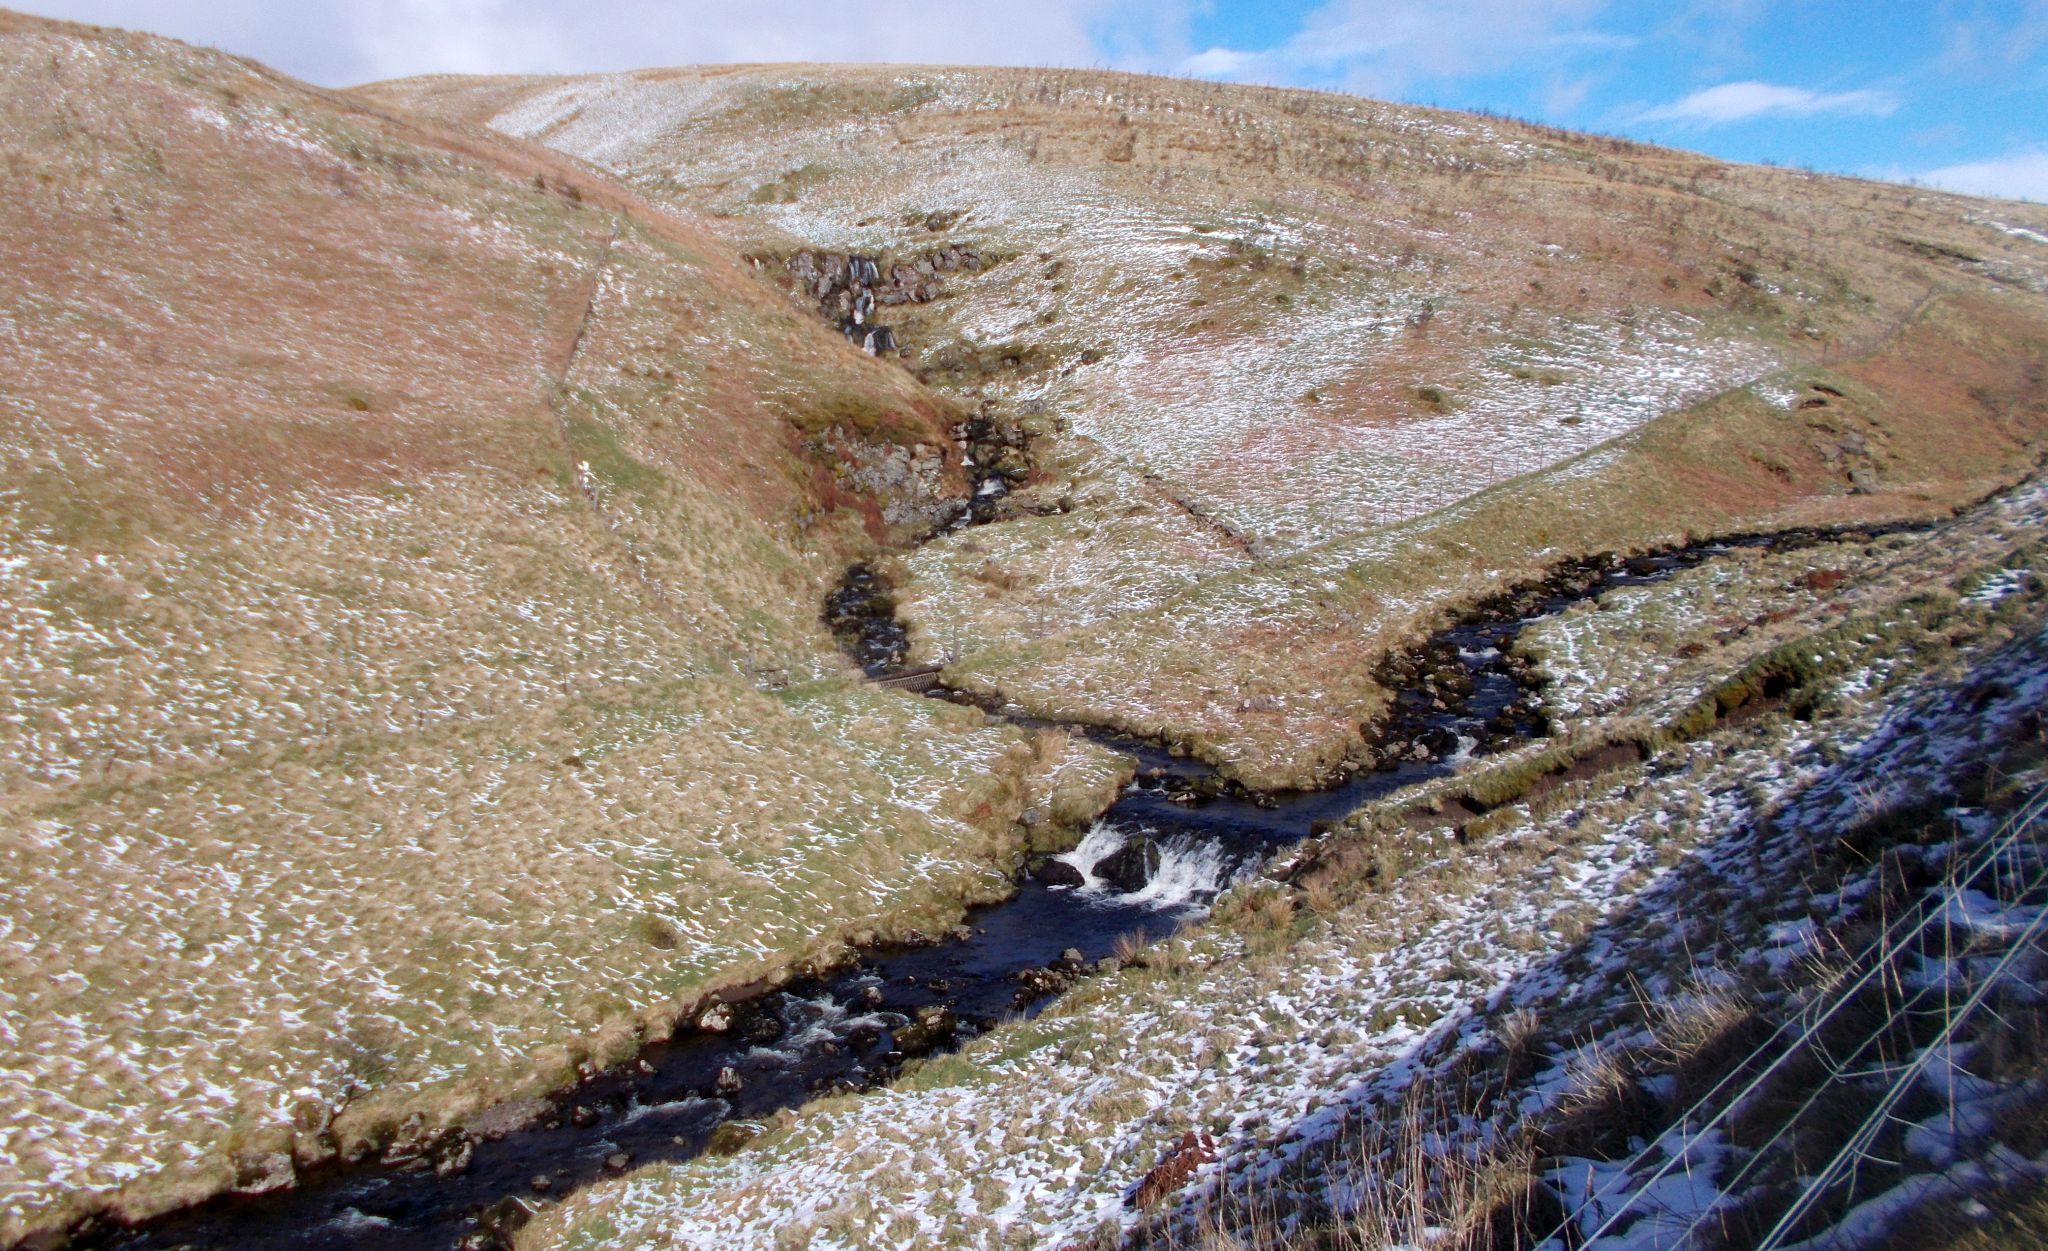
(1296, 372)
(413, 679)
(1511, 980)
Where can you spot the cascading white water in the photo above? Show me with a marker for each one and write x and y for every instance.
(1102, 841)
(1192, 871)
(1466, 744)
(806, 1024)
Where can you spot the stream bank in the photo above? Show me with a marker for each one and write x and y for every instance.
(1177, 837)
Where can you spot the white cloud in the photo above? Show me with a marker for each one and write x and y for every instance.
(1744, 101)
(349, 41)
(1228, 63)
(1383, 47)
(453, 36)
(2019, 175)
(1563, 96)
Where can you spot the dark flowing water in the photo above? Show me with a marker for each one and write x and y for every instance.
(1459, 695)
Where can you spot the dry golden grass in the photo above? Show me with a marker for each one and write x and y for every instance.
(415, 690)
(1253, 1022)
(1326, 367)
(414, 683)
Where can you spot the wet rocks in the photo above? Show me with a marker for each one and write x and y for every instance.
(498, 1223)
(507, 1216)
(1038, 983)
(997, 452)
(759, 1026)
(1056, 872)
(861, 613)
(932, 1028)
(1193, 790)
(1131, 866)
(729, 1081)
(847, 289)
(454, 1154)
(1438, 741)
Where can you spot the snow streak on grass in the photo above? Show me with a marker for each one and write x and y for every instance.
(412, 687)
(1275, 1029)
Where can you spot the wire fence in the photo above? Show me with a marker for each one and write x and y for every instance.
(1997, 871)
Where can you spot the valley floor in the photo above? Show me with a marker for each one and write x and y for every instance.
(415, 702)
(1521, 898)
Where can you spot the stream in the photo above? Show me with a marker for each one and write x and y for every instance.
(1176, 838)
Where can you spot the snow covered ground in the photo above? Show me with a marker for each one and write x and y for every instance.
(1277, 1030)
(1293, 345)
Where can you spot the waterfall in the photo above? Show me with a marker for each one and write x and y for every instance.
(1103, 840)
(1192, 872)
(1193, 869)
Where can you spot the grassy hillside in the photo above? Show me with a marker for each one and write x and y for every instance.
(1411, 1018)
(413, 680)
(1304, 369)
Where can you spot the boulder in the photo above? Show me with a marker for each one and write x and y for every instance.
(1056, 872)
(508, 1215)
(1039, 982)
(933, 1026)
(1440, 741)
(1130, 866)
(456, 1152)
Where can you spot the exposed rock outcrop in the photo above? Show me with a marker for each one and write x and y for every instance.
(847, 288)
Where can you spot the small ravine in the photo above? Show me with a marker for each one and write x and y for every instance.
(1177, 837)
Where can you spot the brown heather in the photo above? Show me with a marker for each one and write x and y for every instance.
(412, 690)
(413, 682)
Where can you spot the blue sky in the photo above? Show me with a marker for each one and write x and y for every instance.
(1884, 87)
(1953, 92)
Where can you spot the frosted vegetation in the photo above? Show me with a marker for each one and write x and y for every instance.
(412, 690)
(1322, 368)
(413, 694)
(1304, 1021)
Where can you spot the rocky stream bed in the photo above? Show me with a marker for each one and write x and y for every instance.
(1178, 836)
